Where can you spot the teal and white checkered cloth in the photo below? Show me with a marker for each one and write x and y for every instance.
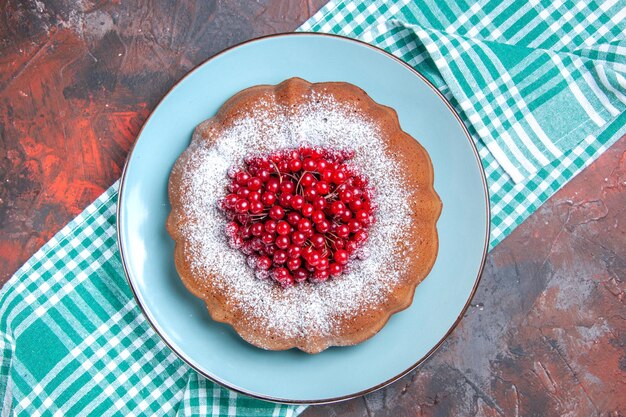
(541, 85)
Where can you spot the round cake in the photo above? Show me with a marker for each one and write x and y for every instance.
(303, 215)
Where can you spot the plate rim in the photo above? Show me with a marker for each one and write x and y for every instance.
(330, 400)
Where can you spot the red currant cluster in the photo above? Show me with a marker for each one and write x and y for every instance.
(298, 214)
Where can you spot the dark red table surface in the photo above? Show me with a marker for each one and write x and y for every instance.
(546, 334)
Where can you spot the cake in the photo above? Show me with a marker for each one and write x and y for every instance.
(255, 241)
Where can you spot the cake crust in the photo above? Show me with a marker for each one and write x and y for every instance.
(418, 252)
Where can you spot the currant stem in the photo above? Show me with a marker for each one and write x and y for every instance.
(280, 175)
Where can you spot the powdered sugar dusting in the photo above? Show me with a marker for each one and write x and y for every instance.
(306, 307)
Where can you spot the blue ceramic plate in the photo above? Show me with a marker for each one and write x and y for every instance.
(216, 351)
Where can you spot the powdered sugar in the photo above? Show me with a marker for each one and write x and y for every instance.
(306, 307)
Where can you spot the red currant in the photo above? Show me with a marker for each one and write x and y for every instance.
(319, 203)
(263, 262)
(318, 216)
(268, 238)
(310, 194)
(268, 198)
(231, 200)
(337, 244)
(307, 179)
(321, 275)
(335, 270)
(256, 207)
(287, 187)
(280, 257)
(277, 212)
(337, 208)
(283, 228)
(360, 236)
(307, 210)
(272, 185)
(300, 275)
(254, 196)
(304, 225)
(297, 201)
(346, 216)
(257, 229)
(254, 183)
(298, 238)
(275, 157)
(350, 246)
(319, 241)
(263, 175)
(270, 226)
(343, 231)
(295, 165)
(323, 226)
(362, 216)
(294, 251)
(242, 178)
(243, 192)
(285, 200)
(354, 226)
(293, 218)
(346, 195)
(327, 175)
(293, 263)
(282, 242)
(309, 164)
(283, 277)
(244, 232)
(314, 258)
(322, 187)
(339, 177)
(341, 256)
(356, 205)
(256, 244)
(270, 249)
(322, 264)
(242, 205)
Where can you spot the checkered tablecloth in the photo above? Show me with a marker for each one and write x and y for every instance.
(541, 85)
(542, 88)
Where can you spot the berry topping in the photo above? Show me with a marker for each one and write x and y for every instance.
(299, 215)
